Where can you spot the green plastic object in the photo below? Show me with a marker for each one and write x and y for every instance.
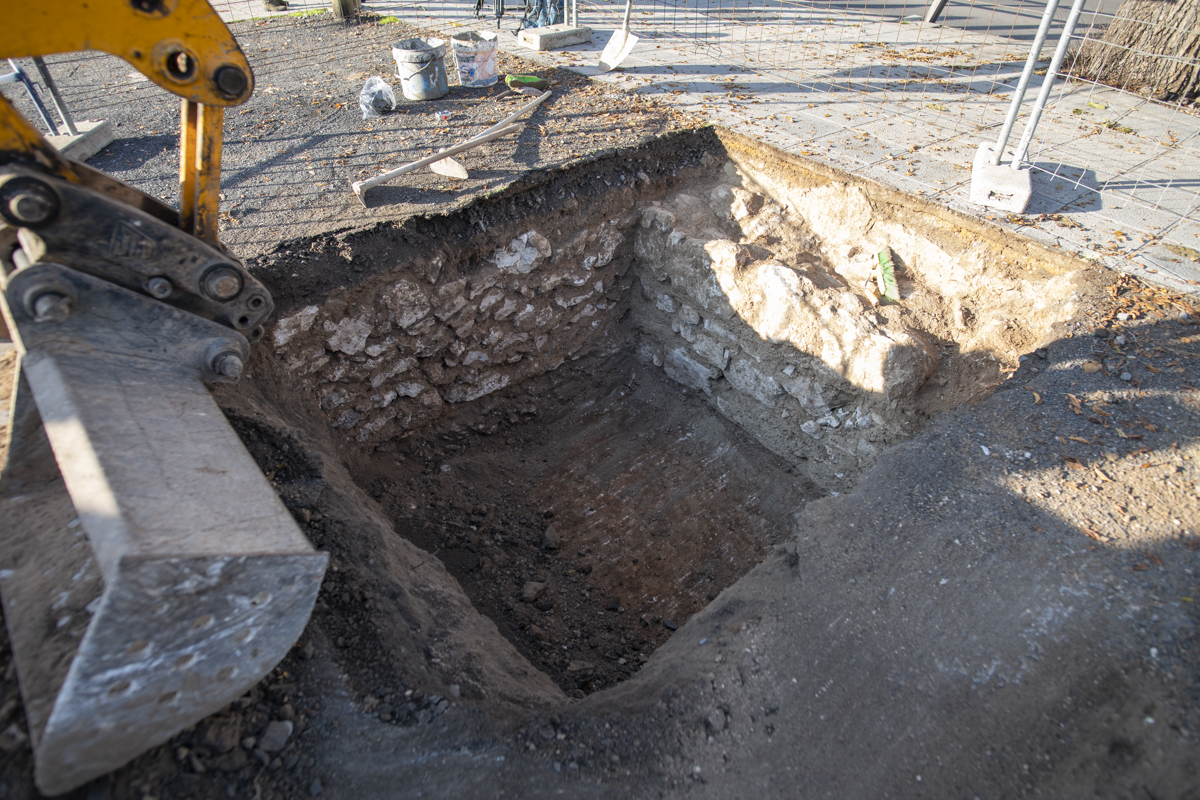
(887, 277)
(515, 82)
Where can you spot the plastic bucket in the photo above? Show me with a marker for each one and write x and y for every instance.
(421, 68)
(475, 57)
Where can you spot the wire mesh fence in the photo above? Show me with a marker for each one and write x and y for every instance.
(870, 87)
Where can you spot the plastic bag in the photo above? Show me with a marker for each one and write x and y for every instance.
(376, 98)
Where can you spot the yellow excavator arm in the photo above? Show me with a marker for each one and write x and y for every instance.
(193, 581)
(181, 45)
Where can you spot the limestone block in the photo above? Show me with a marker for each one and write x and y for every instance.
(475, 357)
(893, 365)
(658, 218)
(288, 327)
(490, 299)
(747, 378)
(347, 419)
(523, 254)
(608, 239)
(505, 311)
(811, 428)
(664, 302)
(391, 371)
(744, 203)
(711, 351)
(571, 299)
(465, 393)
(450, 306)
(720, 199)
(380, 347)
(777, 304)
(586, 311)
(433, 343)
(409, 389)
(308, 360)
(715, 328)
(809, 392)
(407, 304)
(372, 427)
(681, 367)
(334, 397)
(689, 315)
(479, 285)
(524, 317)
(348, 336)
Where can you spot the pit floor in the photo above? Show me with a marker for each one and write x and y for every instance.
(620, 499)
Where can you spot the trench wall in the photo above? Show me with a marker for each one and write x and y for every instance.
(742, 279)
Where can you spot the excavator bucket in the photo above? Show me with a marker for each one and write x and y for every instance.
(148, 572)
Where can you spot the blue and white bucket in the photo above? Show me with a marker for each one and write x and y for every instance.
(421, 68)
(475, 57)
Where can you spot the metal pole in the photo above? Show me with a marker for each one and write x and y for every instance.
(18, 75)
(1019, 96)
(1060, 52)
(59, 105)
(935, 10)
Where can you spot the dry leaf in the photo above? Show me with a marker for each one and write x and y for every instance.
(1079, 439)
(1073, 463)
(1092, 533)
(1154, 559)
(1140, 568)
(1092, 366)
(1074, 403)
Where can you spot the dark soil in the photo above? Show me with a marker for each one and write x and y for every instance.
(588, 515)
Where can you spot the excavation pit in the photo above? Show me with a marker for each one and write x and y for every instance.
(598, 398)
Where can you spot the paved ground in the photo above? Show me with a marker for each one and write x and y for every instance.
(907, 104)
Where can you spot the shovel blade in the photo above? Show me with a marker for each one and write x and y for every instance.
(449, 167)
(619, 46)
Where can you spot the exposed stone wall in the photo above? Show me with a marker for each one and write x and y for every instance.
(781, 347)
(389, 354)
(746, 284)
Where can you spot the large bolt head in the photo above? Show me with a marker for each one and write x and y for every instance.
(28, 202)
(231, 82)
(159, 287)
(51, 307)
(30, 208)
(222, 283)
(228, 365)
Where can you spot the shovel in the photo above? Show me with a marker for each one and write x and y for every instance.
(620, 45)
(452, 168)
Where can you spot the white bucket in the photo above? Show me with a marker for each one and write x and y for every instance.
(475, 56)
(421, 68)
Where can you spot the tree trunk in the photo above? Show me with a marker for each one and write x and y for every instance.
(1151, 44)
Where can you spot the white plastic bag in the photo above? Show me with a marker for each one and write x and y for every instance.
(376, 98)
